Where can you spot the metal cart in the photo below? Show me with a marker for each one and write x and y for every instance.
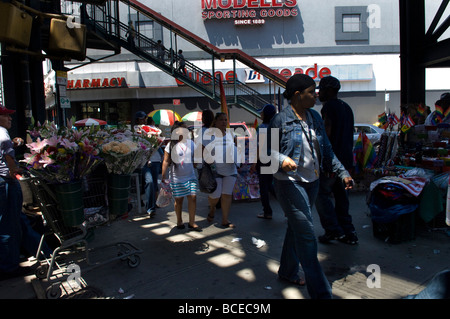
(74, 241)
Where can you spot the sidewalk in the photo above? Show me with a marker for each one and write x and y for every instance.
(225, 263)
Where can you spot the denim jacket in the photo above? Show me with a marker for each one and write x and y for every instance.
(290, 142)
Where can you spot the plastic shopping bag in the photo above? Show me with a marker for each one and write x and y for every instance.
(164, 196)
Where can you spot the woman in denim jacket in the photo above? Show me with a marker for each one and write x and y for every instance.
(303, 150)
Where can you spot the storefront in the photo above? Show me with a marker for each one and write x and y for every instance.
(357, 44)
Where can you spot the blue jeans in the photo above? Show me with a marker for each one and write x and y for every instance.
(300, 244)
(335, 218)
(10, 224)
(151, 173)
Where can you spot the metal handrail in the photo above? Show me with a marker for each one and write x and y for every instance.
(103, 20)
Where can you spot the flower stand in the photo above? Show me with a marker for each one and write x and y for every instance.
(70, 202)
(118, 193)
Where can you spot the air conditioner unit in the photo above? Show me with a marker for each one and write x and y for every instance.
(15, 25)
(67, 38)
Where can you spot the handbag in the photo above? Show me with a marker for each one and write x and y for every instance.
(206, 179)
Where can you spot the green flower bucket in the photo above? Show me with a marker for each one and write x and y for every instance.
(70, 202)
(118, 193)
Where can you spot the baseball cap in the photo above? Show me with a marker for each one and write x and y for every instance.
(5, 111)
(329, 82)
(140, 115)
(445, 97)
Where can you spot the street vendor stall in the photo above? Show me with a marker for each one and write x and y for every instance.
(408, 178)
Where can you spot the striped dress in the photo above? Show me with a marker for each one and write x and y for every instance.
(183, 180)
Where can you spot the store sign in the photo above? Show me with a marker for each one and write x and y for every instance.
(314, 71)
(248, 12)
(96, 83)
(206, 77)
(253, 77)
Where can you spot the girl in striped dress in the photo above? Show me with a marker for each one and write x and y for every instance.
(178, 159)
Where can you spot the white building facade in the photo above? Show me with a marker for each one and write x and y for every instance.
(356, 41)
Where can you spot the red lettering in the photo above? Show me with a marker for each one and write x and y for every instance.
(105, 83)
(95, 83)
(86, 83)
(324, 72)
(314, 70)
(209, 4)
(252, 3)
(230, 77)
(264, 4)
(275, 3)
(78, 84)
(227, 5)
(238, 4)
(290, 3)
(218, 73)
(207, 78)
(298, 71)
(113, 82)
(120, 82)
(70, 84)
(286, 73)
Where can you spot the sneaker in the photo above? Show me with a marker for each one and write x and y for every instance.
(327, 237)
(350, 239)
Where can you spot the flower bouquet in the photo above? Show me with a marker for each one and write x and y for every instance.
(62, 155)
(151, 134)
(125, 151)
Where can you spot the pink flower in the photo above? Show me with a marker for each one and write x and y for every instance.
(68, 144)
(37, 146)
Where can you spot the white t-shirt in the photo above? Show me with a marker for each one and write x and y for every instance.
(220, 150)
(182, 167)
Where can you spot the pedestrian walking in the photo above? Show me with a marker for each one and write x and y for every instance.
(181, 62)
(179, 162)
(221, 152)
(150, 172)
(160, 50)
(265, 180)
(303, 150)
(332, 201)
(131, 34)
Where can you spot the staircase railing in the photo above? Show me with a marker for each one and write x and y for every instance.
(105, 20)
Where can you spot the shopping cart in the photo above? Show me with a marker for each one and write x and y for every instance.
(74, 240)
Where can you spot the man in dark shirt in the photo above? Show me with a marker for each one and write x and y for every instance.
(339, 124)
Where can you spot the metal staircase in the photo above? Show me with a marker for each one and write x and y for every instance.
(104, 25)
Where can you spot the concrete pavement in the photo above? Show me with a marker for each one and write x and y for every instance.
(226, 264)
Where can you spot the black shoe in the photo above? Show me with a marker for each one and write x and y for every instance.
(195, 228)
(327, 237)
(350, 239)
